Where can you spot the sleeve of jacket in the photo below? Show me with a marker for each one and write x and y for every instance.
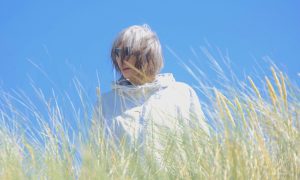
(197, 118)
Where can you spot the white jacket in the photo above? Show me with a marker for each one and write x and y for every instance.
(140, 112)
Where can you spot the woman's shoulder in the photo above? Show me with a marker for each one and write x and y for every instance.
(182, 86)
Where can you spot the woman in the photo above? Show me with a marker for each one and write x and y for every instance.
(145, 107)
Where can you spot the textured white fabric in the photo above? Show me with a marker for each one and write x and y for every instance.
(141, 113)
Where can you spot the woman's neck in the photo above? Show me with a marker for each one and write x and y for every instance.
(140, 81)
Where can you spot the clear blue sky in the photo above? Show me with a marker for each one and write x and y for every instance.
(66, 38)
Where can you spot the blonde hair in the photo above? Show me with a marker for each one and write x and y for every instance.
(144, 44)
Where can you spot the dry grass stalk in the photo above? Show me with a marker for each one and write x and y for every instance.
(271, 92)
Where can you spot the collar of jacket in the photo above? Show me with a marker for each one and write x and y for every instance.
(123, 86)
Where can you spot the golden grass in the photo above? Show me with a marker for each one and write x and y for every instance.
(254, 137)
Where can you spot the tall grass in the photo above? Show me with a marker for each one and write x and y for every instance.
(255, 134)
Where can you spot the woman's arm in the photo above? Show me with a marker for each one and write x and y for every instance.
(197, 117)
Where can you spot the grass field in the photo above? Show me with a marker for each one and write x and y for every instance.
(255, 134)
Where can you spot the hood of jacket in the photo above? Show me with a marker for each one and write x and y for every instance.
(124, 88)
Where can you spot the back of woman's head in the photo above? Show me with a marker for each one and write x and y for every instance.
(142, 43)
